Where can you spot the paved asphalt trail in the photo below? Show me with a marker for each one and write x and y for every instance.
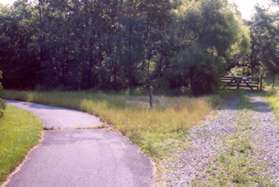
(72, 153)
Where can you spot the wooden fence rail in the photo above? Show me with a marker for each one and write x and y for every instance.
(242, 82)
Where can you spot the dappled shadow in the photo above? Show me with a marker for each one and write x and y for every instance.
(260, 106)
(247, 101)
(231, 103)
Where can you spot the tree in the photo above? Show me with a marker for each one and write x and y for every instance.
(156, 17)
(209, 31)
(265, 29)
(18, 51)
(117, 44)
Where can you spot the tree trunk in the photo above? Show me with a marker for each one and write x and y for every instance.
(191, 77)
(273, 81)
(150, 86)
(150, 93)
(130, 57)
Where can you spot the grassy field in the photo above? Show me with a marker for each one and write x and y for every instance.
(156, 131)
(19, 132)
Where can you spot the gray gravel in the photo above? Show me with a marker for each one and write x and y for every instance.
(207, 144)
(75, 157)
(266, 137)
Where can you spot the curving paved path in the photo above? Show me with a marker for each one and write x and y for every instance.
(72, 153)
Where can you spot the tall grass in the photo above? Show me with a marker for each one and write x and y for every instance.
(156, 131)
(19, 132)
(272, 98)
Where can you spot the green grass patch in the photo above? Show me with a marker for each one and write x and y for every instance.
(156, 131)
(19, 132)
(272, 98)
(235, 167)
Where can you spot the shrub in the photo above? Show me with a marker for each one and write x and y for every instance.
(2, 102)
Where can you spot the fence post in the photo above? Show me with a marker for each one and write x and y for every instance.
(261, 82)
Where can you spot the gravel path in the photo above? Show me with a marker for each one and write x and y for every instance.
(74, 154)
(266, 137)
(207, 143)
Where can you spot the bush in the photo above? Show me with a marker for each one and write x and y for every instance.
(2, 102)
(2, 107)
(204, 80)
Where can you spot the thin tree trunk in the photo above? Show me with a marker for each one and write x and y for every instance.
(41, 30)
(150, 93)
(191, 77)
(147, 58)
(273, 81)
(150, 87)
(130, 58)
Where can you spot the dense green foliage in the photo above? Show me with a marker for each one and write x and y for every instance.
(265, 43)
(117, 44)
(212, 31)
(19, 132)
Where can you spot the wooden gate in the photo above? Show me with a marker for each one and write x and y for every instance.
(242, 82)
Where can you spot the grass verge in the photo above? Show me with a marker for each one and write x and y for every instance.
(156, 131)
(19, 132)
(272, 98)
(235, 167)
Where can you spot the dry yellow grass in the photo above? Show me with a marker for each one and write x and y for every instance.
(156, 131)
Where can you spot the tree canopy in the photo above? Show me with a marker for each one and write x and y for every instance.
(117, 44)
(264, 30)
